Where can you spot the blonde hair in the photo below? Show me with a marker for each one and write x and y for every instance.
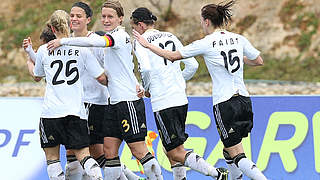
(60, 21)
(114, 4)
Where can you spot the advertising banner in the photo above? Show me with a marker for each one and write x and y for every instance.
(284, 142)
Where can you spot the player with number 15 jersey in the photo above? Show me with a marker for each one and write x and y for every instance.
(223, 52)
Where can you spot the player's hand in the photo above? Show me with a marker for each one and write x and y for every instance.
(140, 39)
(147, 94)
(53, 44)
(140, 91)
(27, 44)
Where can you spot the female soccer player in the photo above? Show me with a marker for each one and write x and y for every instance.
(95, 96)
(166, 84)
(63, 118)
(224, 53)
(127, 119)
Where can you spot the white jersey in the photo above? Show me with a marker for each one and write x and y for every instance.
(223, 53)
(118, 62)
(94, 92)
(62, 69)
(162, 78)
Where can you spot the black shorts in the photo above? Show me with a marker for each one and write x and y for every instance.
(126, 120)
(70, 131)
(95, 122)
(234, 119)
(171, 124)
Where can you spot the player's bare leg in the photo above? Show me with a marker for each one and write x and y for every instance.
(112, 168)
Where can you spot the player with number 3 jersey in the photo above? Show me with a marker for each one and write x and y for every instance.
(126, 115)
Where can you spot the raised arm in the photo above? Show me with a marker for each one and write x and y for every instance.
(99, 41)
(170, 55)
(27, 46)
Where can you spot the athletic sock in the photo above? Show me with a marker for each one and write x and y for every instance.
(234, 172)
(101, 160)
(179, 171)
(151, 167)
(129, 174)
(122, 176)
(112, 169)
(54, 170)
(91, 168)
(248, 167)
(195, 162)
(74, 171)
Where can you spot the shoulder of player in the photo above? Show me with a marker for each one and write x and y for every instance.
(93, 35)
(151, 36)
(43, 47)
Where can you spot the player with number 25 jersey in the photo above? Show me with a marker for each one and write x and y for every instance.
(62, 68)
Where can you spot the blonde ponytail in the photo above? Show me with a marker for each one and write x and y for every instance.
(60, 21)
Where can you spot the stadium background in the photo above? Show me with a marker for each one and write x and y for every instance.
(286, 31)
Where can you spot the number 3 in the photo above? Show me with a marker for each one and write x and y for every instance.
(125, 125)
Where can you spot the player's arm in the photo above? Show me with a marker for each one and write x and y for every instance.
(255, 62)
(190, 68)
(93, 66)
(27, 46)
(144, 66)
(190, 64)
(30, 65)
(37, 69)
(251, 54)
(99, 41)
(170, 55)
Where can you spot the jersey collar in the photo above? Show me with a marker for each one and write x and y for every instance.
(151, 30)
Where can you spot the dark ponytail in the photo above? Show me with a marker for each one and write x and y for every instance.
(219, 15)
(144, 15)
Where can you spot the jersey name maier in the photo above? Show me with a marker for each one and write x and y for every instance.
(228, 41)
(64, 52)
(157, 36)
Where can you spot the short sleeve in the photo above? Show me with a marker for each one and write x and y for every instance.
(248, 50)
(38, 70)
(196, 48)
(120, 39)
